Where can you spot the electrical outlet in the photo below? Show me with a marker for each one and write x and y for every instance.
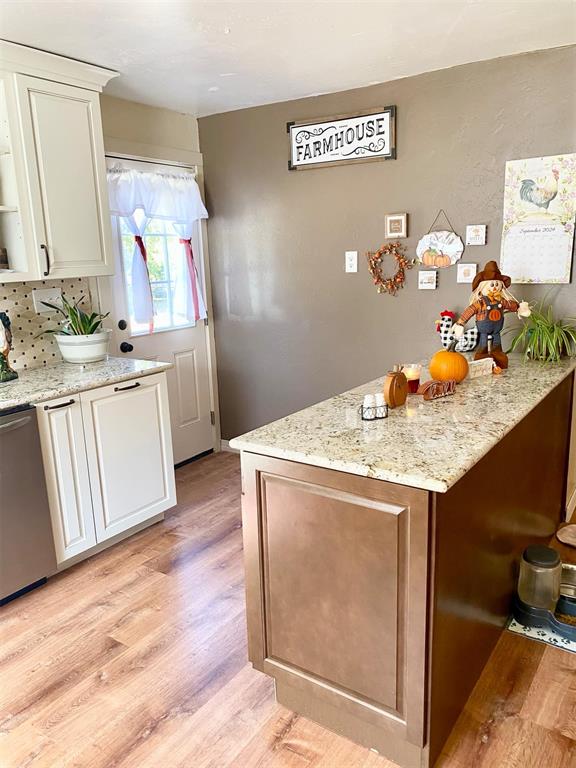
(351, 261)
(52, 295)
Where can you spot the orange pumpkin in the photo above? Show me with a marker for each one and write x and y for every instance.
(446, 365)
(429, 257)
(442, 260)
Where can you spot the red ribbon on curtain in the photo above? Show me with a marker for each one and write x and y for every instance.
(187, 243)
(142, 248)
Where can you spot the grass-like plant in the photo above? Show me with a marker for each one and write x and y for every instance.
(76, 321)
(543, 337)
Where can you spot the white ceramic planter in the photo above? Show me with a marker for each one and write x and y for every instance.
(84, 349)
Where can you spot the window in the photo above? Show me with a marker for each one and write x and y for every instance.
(167, 270)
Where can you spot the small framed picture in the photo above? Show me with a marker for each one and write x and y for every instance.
(476, 234)
(396, 225)
(466, 272)
(427, 280)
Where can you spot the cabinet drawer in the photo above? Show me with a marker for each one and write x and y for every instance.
(129, 448)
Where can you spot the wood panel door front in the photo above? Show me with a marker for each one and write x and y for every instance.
(336, 580)
(66, 468)
(67, 177)
(127, 429)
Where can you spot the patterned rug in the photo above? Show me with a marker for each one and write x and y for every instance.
(542, 635)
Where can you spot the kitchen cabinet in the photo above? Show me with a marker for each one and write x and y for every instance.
(64, 154)
(108, 461)
(66, 469)
(54, 215)
(129, 448)
(378, 581)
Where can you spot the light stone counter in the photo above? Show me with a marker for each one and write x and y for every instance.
(35, 385)
(428, 445)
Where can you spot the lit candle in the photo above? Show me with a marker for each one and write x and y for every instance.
(412, 373)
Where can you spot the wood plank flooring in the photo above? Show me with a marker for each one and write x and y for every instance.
(136, 658)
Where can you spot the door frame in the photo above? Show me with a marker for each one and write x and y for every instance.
(101, 287)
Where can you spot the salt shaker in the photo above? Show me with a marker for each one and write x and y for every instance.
(369, 408)
(381, 407)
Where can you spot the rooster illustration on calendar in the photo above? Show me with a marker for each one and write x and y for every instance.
(538, 223)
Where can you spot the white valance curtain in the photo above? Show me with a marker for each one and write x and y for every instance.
(173, 197)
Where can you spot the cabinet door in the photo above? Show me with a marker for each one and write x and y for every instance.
(129, 449)
(66, 468)
(64, 151)
(336, 579)
(16, 234)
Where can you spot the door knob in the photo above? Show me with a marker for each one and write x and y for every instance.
(126, 347)
(122, 324)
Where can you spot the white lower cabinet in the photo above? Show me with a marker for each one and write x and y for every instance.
(108, 461)
(66, 469)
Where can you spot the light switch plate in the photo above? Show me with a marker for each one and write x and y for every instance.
(51, 295)
(351, 261)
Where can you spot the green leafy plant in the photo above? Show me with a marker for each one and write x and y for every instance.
(77, 322)
(543, 337)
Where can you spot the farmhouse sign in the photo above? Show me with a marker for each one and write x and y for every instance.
(362, 136)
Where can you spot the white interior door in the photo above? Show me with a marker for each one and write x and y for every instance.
(173, 339)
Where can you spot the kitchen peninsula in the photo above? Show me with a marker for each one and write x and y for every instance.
(381, 556)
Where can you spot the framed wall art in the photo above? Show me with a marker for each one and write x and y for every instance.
(396, 225)
(362, 136)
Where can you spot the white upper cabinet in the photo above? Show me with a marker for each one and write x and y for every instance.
(53, 130)
(64, 153)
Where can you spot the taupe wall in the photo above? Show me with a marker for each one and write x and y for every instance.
(131, 121)
(291, 327)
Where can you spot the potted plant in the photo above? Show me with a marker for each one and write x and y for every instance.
(545, 338)
(81, 338)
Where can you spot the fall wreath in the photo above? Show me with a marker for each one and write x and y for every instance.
(388, 284)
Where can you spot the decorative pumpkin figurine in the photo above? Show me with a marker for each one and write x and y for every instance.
(6, 372)
(448, 365)
(489, 301)
(395, 387)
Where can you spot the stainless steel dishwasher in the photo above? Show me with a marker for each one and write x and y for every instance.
(27, 554)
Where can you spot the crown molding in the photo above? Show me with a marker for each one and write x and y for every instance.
(49, 66)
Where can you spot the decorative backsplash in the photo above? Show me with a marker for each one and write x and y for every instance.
(16, 299)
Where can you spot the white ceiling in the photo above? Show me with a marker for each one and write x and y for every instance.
(208, 57)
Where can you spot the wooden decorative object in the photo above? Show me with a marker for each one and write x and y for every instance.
(395, 388)
(389, 284)
(432, 390)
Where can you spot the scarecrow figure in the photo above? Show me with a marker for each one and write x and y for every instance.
(6, 372)
(489, 301)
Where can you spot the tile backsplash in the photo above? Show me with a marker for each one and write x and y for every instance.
(16, 299)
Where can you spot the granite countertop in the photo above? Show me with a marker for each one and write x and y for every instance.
(61, 379)
(428, 445)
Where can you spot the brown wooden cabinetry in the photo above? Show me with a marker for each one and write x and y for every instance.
(336, 589)
(375, 606)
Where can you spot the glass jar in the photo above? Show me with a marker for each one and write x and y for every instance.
(540, 577)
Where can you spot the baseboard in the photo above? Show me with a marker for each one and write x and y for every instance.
(225, 446)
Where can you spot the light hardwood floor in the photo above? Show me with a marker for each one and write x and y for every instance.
(136, 658)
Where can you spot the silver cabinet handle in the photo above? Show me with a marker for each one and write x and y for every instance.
(60, 405)
(130, 386)
(44, 247)
(16, 424)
